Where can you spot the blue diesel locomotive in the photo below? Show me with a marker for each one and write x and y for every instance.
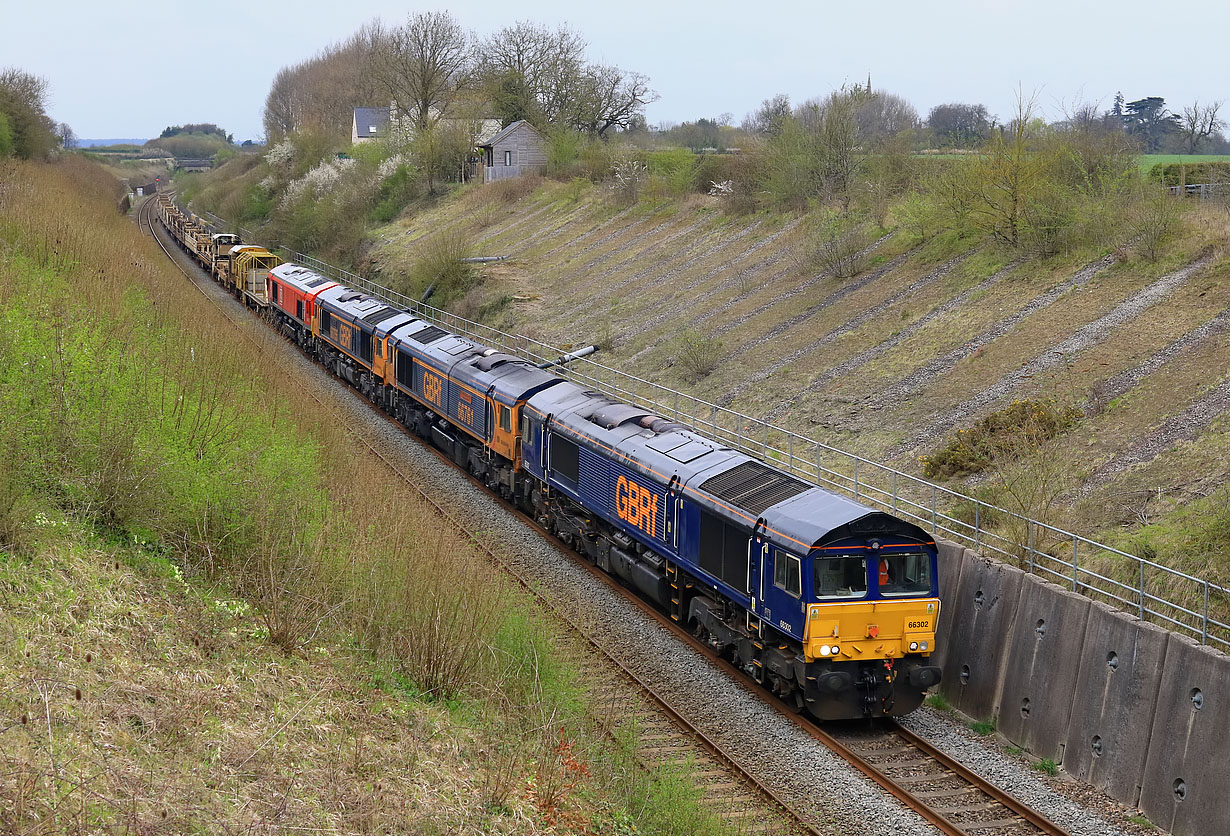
(829, 603)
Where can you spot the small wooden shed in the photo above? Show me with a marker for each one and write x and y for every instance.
(517, 149)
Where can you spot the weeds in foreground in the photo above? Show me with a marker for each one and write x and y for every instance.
(1048, 766)
(982, 727)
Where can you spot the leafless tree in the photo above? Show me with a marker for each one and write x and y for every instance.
(1199, 122)
(767, 119)
(423, 64)
(532, 72)
(68, 139)
(320, 93)
(885, 115)
(610, 98)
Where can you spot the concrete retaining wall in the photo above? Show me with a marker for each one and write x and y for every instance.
(980, 616)
(1115, 697)
(1186, 786)
(1137, 711)
(1041, 668)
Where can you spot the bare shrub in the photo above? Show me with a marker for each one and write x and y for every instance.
(696, 354)
(1152, 219)
(836, 243)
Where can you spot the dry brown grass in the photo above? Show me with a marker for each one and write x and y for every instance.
(135, 702)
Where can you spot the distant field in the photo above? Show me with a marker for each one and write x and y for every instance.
(1147, 161)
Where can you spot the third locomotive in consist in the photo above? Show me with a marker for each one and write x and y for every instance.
(829, 603)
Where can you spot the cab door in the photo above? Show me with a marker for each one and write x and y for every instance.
(503, 437)
(757, 547)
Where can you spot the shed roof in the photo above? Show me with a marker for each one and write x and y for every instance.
(509, 131)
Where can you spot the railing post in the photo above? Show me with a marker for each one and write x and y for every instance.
(934, 510)
(978, 527)
(764, 445)
(1074, 560)
(1204, 627)
(791, 440)
(894, 491)
(1142, 588)
(1029, 527)
(855, 474)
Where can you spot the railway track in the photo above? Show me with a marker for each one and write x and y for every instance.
(952, 798)
(664, 735)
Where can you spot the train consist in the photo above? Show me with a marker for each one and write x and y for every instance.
(829, 603)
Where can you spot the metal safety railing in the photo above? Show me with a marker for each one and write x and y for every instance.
(1181, 602)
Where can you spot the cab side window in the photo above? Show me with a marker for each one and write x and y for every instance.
(505, 418)
(787, 573)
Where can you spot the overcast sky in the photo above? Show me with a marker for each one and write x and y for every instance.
(129, 71)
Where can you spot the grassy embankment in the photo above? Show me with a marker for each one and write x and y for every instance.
(216, 616)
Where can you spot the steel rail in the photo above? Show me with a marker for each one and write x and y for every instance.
(715, 749)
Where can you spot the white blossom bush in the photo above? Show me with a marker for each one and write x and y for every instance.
(389, 165)
(319, 181)
(280, 156)
(627, 178)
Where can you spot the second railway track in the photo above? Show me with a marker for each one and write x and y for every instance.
(953, 799)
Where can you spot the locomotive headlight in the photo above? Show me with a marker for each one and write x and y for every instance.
(825, 650)
(913, 645)
(836, 650)
(922, 646)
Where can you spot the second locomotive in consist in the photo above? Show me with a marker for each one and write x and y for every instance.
(829, 603)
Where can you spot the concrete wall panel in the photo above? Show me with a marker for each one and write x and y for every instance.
(980, 617)
(1041, 668)
(951, 559)
(1185, 788)
(1116, 694)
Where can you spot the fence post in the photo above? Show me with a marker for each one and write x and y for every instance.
(934, 509)
(855, 473)
(894, 491)
(978, 526)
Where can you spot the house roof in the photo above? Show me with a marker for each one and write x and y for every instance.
(508, 131)
(369, 121)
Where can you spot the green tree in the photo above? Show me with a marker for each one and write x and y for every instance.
(22, 101)
(6, 137)
(1150, 121)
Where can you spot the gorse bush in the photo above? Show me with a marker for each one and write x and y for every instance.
(1006, 435)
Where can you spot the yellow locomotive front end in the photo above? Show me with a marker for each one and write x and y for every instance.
(871, 627)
